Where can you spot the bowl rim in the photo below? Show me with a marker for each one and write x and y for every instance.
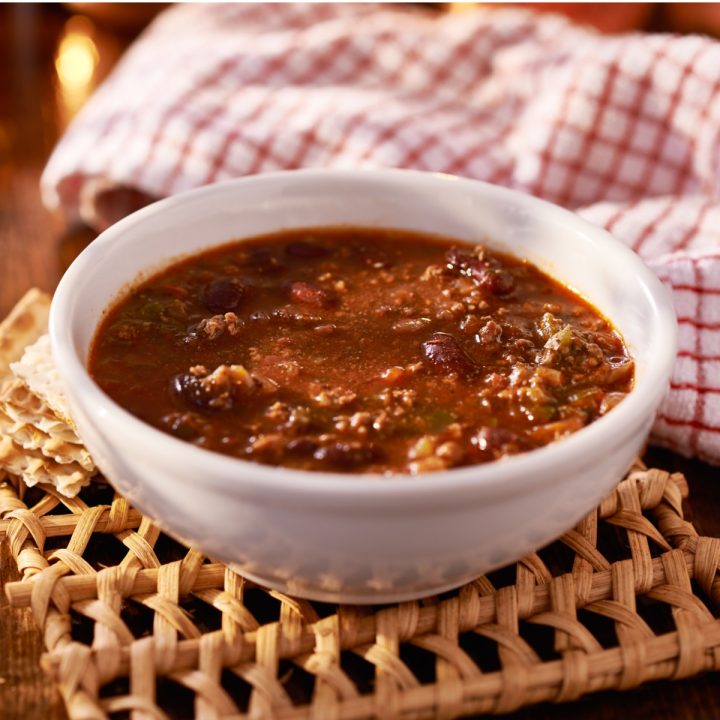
(232, 474)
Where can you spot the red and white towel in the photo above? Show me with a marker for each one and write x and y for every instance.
(624, 129)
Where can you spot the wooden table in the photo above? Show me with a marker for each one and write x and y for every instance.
(35, 248)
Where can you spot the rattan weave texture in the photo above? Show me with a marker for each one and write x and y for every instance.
(134, 623)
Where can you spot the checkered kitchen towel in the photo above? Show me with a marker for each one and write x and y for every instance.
(624, 129)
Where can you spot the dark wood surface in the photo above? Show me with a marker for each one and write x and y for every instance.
(36, 246)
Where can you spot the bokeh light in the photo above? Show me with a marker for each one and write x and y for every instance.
(76, 62)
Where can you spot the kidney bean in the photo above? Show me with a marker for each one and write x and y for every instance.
(457, 259)
(444, 354)
(496, 282)
(194, 392)
(223, 295)
(302, 292)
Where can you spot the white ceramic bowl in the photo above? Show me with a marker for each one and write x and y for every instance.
(359, 538)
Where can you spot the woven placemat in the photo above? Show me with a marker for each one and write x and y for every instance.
(138, 626)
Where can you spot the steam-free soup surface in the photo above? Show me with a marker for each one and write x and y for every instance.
(360, 350)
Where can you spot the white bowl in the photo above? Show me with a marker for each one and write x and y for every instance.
(359, 538)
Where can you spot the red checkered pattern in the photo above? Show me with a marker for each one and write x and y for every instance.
(624, 129)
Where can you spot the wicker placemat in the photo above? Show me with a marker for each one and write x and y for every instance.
(136, 625)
